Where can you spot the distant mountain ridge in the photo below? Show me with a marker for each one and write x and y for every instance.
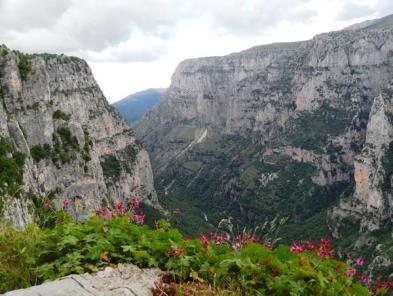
(134, 106)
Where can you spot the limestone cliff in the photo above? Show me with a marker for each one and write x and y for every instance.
(69, 141)
(286, 128)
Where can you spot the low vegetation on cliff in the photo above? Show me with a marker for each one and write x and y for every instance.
(227, 263)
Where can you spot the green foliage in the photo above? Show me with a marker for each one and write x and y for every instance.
(58, 114)
(34, 255)
(67, 138)
(311, 130)
(387, 163)
(111, 167)
(3, 51)
(39, 152)
(11, 168)
(88, 142)
(64, 146)
(24, 64)
(18, 252)
(222, 177)
(310, 228)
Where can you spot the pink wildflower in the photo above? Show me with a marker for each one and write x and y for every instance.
(268, 245)
(324, 248)
(48, 204)
(363, 278)
(218, 239)
(67, 202)
(204, 239)
(350, 272)
(135, 202)
(245, 239)
(359, 261)
(310, 245)
(296, 248)
(105, 213)
(120, 209)
(139, 219)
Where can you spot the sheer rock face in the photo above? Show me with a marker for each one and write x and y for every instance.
(372, 200)
(263, 91)
(89, 152)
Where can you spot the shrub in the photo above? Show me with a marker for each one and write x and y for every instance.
(11, 168)
(39, 152)
(111, 167)
(35, 255)
(58, 114)
(24, 64)
(18, 252)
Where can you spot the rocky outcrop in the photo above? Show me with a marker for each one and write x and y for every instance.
(124, 280)
(372, 201)
(309, 113)
(74, 145)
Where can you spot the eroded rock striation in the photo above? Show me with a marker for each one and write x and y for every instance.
(60, 138)
(314, 116)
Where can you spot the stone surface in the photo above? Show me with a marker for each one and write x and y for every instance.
(325, 102)
(58, 103)
(372, 202)
(124, 280)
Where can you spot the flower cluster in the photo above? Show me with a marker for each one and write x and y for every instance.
(204, 239)
(323, 248)
(120, 209)
(49, 204)
(105, 213)
(138, 218)
(296, 248)
(135, 202)
(224, 238)
(246, 238)
(218, 239)
(353, 269)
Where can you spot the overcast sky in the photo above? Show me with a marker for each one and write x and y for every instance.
(132, 45)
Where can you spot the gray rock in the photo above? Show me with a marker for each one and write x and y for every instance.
(124, 280)
(262, 91)
(58, 103)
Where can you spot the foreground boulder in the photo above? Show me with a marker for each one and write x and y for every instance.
(125, 279)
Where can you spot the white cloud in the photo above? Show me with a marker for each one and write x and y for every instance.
(96, 25)
(352, 10)
(133, 44)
